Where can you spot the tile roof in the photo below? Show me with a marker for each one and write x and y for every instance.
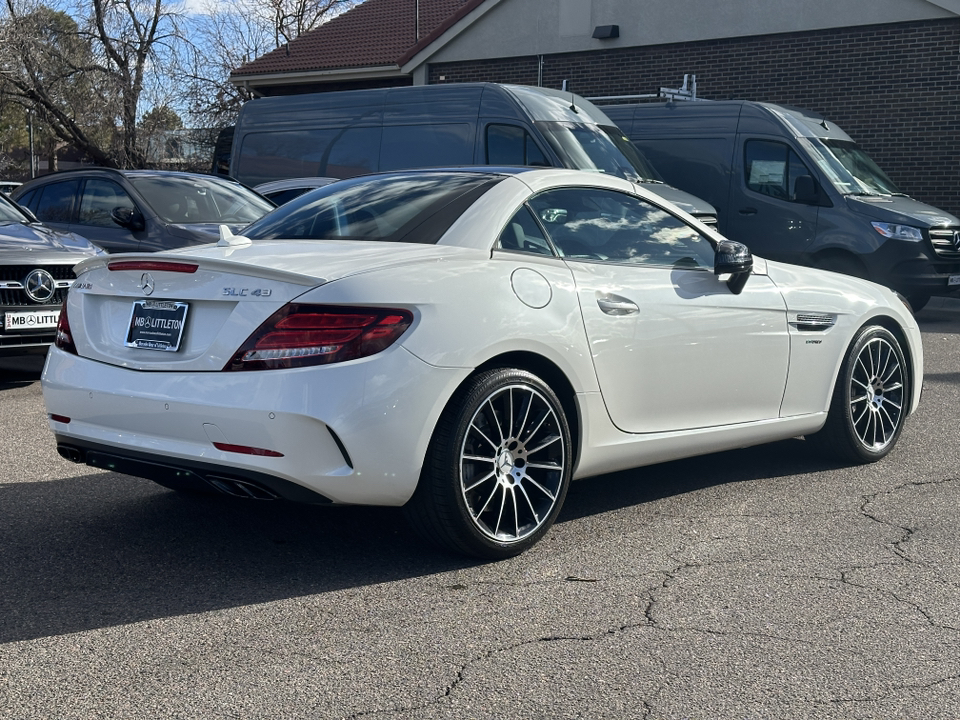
(371, 34)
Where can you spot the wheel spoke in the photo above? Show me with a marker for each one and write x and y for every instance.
(477, 458)
(545, 466)
(895, 386)
(529, 504)
(526, 415)
(487, 503)
(516, 512)
(864, 398)
(510, 399)
(540, 447)
(484, 436)
(503, 503)
(481, 481)
(541, 488)
(536, 429)
(496, 419)
(890, 420)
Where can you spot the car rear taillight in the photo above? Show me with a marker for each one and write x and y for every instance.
(300, 335)
(64, 339)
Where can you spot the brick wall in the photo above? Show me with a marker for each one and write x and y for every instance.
(894, 88)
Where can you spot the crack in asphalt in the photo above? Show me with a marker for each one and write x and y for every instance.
(907, 532)
(669, 575)
(887, 696)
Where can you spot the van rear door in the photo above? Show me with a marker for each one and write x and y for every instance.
(767, 213)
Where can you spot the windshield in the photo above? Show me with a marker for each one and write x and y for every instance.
(598, 149)
(10, 213)
(187, 200)
(849, 168)
(416, 208)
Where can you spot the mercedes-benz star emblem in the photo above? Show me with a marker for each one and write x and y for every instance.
(40, 286)
(146, 283)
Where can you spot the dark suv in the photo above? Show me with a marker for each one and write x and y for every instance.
(141, 210)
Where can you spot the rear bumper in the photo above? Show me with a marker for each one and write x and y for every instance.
(353, 433)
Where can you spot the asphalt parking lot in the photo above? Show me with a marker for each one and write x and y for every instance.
(759, 583)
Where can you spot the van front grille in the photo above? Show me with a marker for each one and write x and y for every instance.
(946, 242)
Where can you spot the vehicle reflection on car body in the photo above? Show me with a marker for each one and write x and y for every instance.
(464, 343)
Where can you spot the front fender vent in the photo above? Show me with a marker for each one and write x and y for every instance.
(813, 322)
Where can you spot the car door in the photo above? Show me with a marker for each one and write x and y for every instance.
(766, 213)
(94, 218)
(673, 347)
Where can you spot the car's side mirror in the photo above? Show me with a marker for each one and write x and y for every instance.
(733, 258)
(128, 217)
(805, 190)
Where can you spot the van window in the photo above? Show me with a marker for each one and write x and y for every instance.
(512, 145)
(421, 146)
(282, 154)
(772, 168)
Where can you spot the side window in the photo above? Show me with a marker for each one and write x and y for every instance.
(339, 153)
(100, 197)
(420, 146)
(512, 145)
(26, 200)
(772, 168)
(523, 234)
(609, 226)
(56, 200)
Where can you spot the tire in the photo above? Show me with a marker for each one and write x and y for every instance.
(497, 469)
(918, 302)
(870, 400)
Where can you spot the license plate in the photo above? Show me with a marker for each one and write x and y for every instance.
(31, 320)
(953, 280)
(157, 325)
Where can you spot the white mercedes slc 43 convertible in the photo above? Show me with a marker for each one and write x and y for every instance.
(463, 343)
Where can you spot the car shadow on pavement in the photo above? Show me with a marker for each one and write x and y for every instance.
(603, 493)
(106, 549)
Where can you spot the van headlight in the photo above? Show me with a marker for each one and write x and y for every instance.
(899, 232)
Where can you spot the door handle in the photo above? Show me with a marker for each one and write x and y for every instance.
(748, 211)
(613, 305)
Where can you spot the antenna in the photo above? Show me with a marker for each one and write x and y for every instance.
(566, 88)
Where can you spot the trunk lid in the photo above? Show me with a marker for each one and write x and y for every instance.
(220, 296)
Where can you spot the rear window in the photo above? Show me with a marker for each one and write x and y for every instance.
(415, 208)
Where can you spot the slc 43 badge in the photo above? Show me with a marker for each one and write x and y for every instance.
(247, 292)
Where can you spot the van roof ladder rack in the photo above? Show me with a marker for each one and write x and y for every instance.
(687, 91)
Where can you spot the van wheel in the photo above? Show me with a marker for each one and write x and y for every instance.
(870, 399)
(498, 467)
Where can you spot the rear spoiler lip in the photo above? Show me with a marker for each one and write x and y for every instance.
(205, 263)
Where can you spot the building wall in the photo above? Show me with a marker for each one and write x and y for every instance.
(511, 28)
(894, 88)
